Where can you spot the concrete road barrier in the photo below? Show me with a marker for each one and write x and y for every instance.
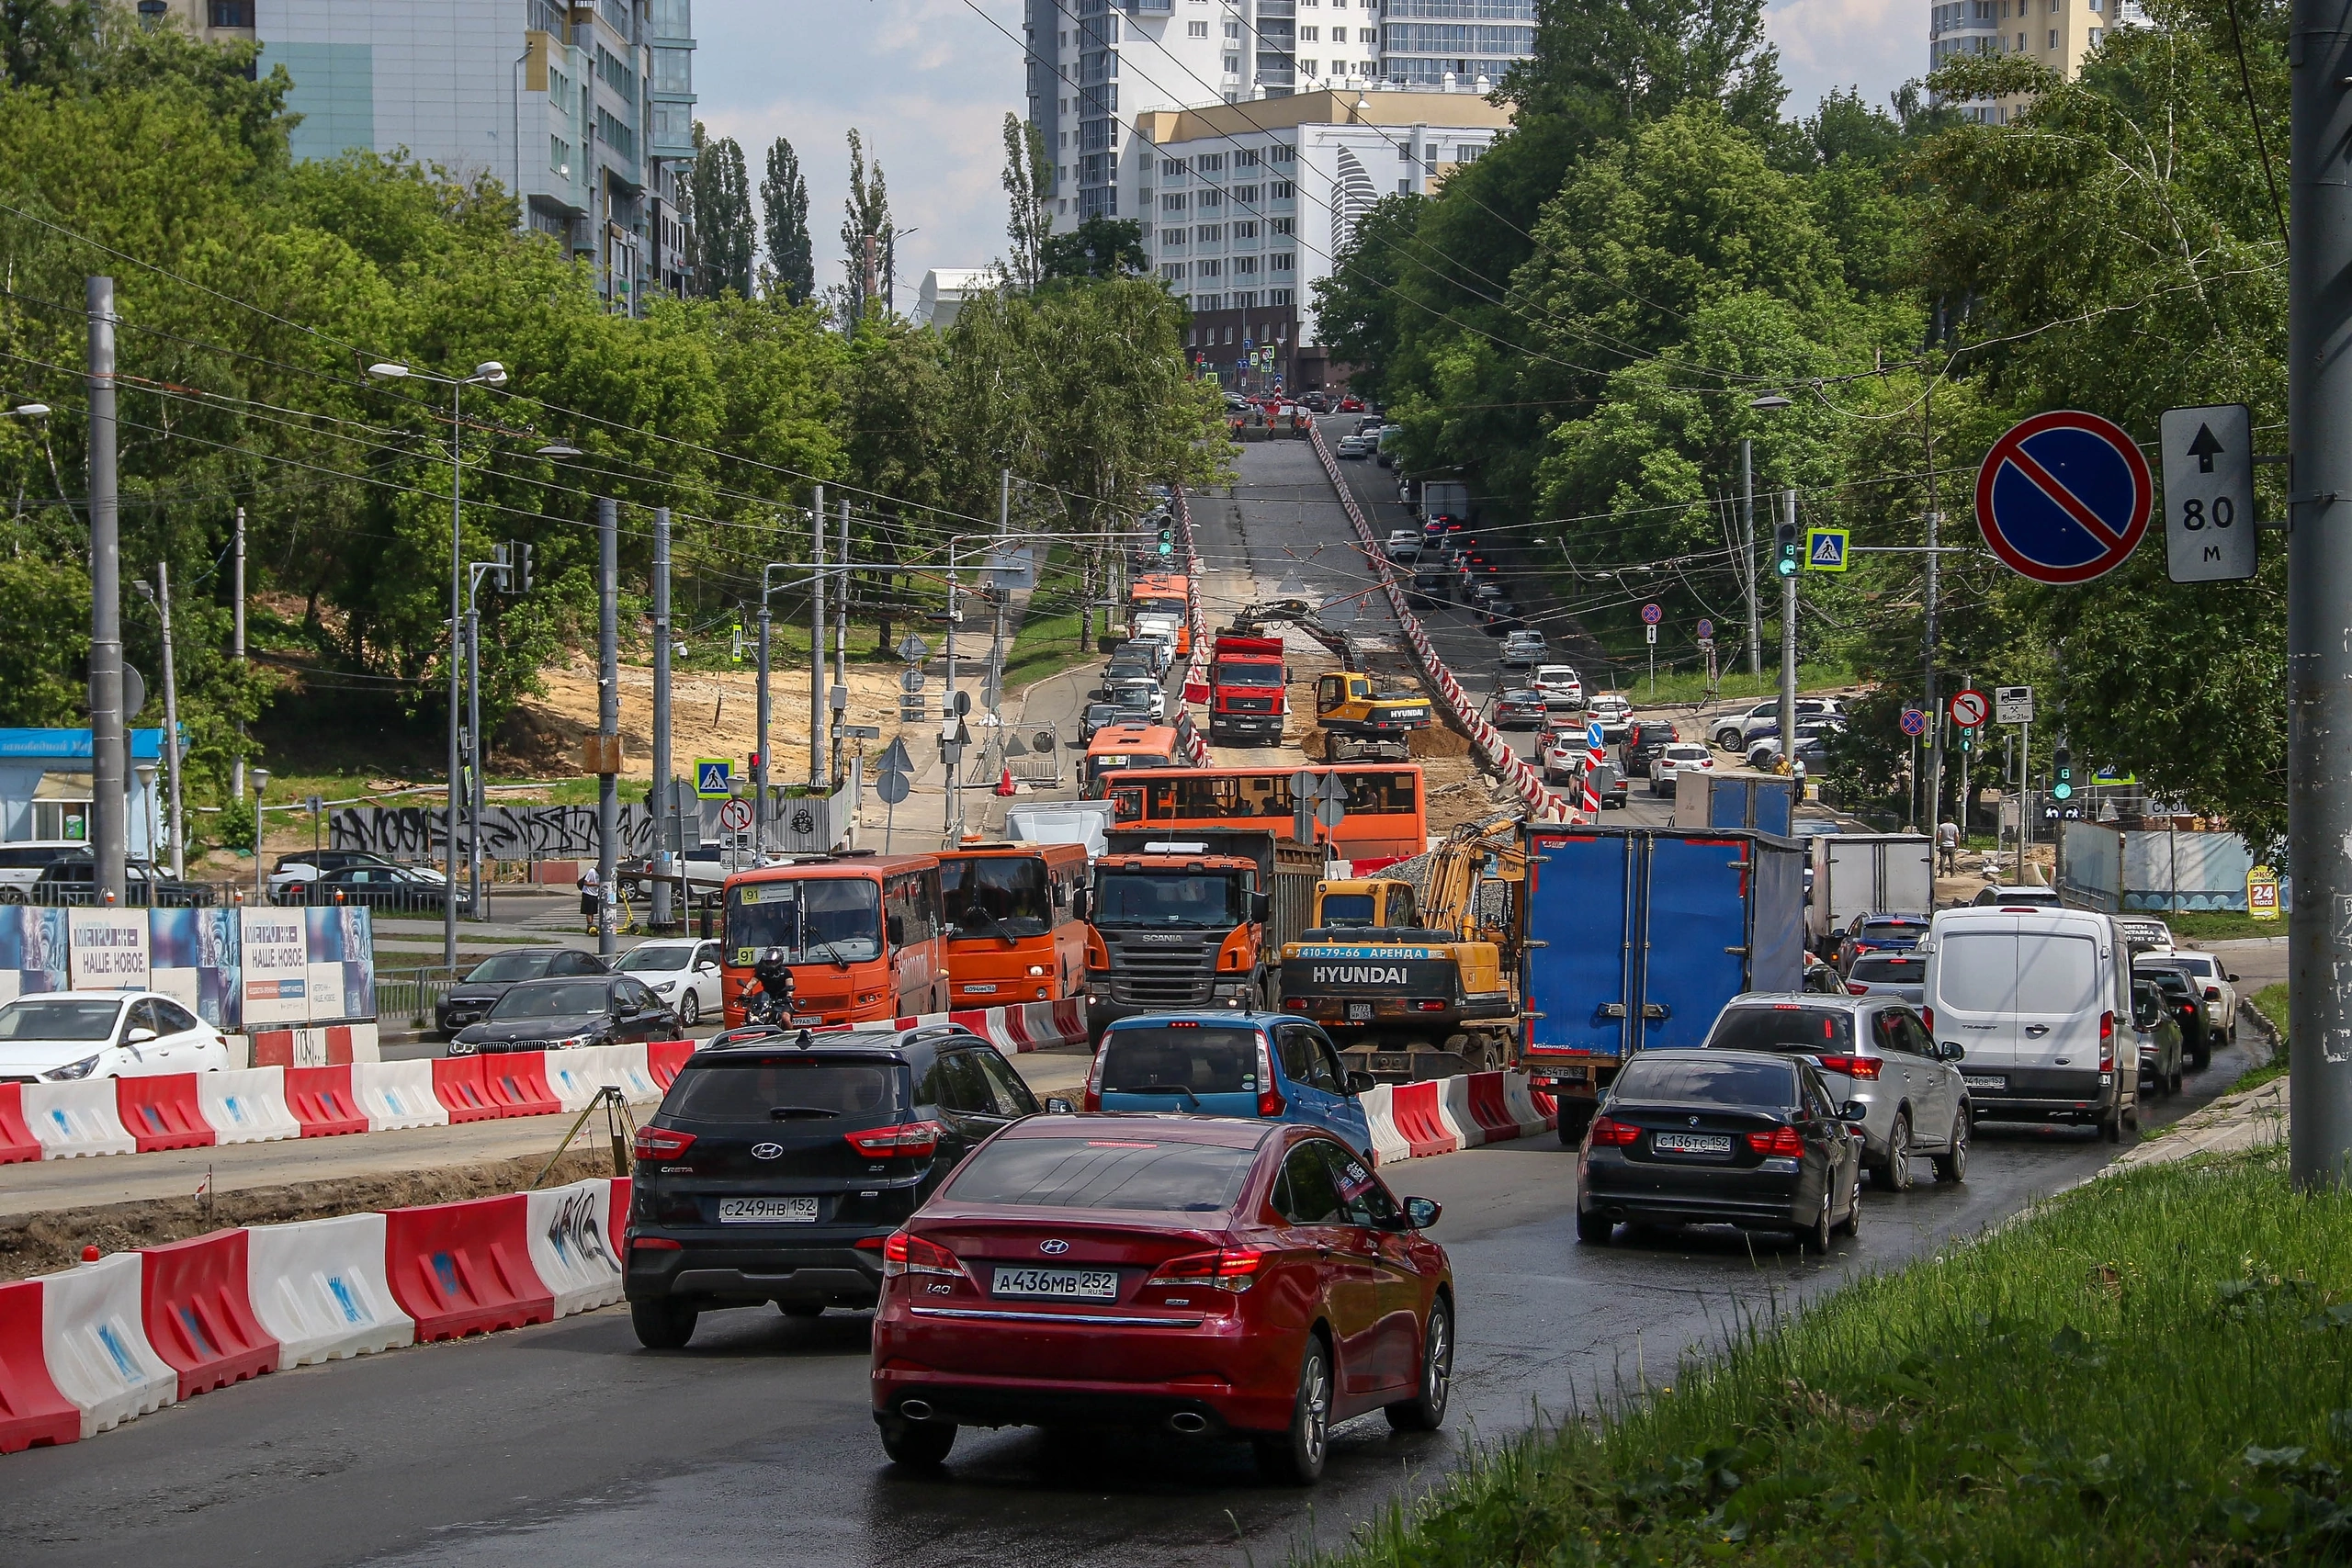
(95, 1343)
(318, 1288)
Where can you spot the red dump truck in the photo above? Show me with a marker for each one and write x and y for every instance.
(1246, 684)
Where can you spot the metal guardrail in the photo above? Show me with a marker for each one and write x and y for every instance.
(410, 994)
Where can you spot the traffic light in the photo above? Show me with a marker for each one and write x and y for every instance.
(522, 557)
(2062, 774)
(1167, 539)
(1788, 549)
(1967, 738)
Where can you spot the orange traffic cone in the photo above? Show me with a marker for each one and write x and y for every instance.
(1004, 785)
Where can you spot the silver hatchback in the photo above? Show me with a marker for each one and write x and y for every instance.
(1872, 1049)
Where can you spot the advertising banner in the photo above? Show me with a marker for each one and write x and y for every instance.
(342, 963)
(194, 960)
(275, 953)
(32, 951)
(109, 949)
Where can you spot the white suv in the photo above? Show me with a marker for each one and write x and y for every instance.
(1733, 730)
(1558, 681)
(1673, 759)
(2221, 993)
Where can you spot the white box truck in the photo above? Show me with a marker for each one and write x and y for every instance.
(1859, 873)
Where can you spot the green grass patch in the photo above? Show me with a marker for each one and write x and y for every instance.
(2155, 1367)
(1689, 687)
(2219, 925)
(2271, 1003)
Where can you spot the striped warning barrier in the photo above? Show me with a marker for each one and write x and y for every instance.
(516, 1083)
(94, 1341)
(460, 1268)
(397, 1094)
(247, 1105)
(318, 1288)
(72, 1120)
(1533, 1112)
(33, 1414)
(1485, 1104)
(458, 1085)
(664, 1057)
(193, 1299)
(17, 1141)
(322, 1101)
(1454, 1111)
(1418, 1122)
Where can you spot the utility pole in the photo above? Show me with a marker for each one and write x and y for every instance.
(473, 754)
(456, 629)
(817, 649)
(237, 647)
(664, 798)
(1747, 556)
(608, 713)
(840, 695)
(109, 811)
(1935, 697)
(760, 765)
(1789, 654)
(171, 718)
(2319, 582)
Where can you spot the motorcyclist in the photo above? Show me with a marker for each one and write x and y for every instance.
(773, 1002)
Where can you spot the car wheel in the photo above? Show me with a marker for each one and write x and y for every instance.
(1853, 1224)
(2110, 1126)
(1816, 1237)
(2201, 1058)
(1594, 1229)
(2173, 1082)
(1953, 1164)
(664, 1325)
(1896, 1175)
(1295, 1457)
(12, 895)
(1426, 1411)
(689, 1010)
(919, 1445)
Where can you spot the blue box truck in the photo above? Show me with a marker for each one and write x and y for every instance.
(1636, 937)
(1764, 802)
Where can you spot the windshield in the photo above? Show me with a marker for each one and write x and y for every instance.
(1012, 888)
(59, 1019)
(652, 957)
(816, 1093)
(1893, 930)
(2201, 967)
(1180, 1063)
(1347, 908)
(1235, 672)
(507, 967)
(1104, 1173)
(1159, 606)
(815, 921)
(1783, 1027)
(561, 998)
(1889, 969)
(1706, 1083)
(1211, 901)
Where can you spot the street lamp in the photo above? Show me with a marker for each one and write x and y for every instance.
(261, 873)
(488, 373)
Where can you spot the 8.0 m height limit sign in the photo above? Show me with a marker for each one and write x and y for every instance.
(2209, 493)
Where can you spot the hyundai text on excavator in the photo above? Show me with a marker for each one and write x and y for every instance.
(1362, 719)
(1417, 981)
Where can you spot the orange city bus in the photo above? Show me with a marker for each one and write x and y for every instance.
(1164, 593)
(1127, 744)
(1012, 931)
(863, 931)
(1386, 817)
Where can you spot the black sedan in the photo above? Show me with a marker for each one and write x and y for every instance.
(391, 887)
(560, 1015)
(72, 879)
(1520, 710)
(1721, 1138)
(471, 999)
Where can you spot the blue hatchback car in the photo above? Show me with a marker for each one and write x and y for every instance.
(1260, 1066)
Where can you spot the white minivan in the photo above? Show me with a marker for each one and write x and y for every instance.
(2040, 1003)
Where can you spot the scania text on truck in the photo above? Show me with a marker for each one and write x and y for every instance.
(1636, 937)
(1191, 921)
(1247, 690)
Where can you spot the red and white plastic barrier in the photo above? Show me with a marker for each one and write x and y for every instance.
(322, 1101)
(318, 1288)
(161, 1112)
(1542, 804)
(1440, 1116)
(17, 1141)
(1029, 1026)
(397, 1094)
(460, 1268)
(246, 1106)
(198, 1316)
(573, 1245)
(1196, 667)
(74, 1120)
(94, 1341)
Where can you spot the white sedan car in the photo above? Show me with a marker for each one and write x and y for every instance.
(58, 1037)
(682, 971)
(1565, 755)
(1558, 681)
(1673, 760)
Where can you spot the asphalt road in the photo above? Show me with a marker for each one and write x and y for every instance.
(568, 1443)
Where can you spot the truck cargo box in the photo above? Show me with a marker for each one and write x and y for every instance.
(1861, 874)
(1761, 803)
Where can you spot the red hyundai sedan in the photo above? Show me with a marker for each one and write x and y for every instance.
(1201, 1276)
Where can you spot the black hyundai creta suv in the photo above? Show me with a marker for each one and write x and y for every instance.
(776, 1166)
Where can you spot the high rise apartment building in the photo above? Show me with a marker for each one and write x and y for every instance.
(2059, 34)
(1096, 65)
(585, 110)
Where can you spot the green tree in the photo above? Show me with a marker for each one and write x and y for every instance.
(1099, 247)
(784, 200)
(1028, 186)
(868, 240)
(718, 204)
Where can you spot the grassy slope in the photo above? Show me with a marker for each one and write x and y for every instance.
(2153, 1369)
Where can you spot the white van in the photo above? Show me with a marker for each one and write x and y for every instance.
(2040, 1003)
(21, 863)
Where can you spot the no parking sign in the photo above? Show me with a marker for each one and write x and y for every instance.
(2063, 497)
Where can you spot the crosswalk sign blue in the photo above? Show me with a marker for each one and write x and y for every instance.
(1825, 549)
(714, 778)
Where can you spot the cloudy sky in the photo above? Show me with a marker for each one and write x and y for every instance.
(927, 82)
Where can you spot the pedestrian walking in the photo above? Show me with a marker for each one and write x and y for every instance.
(1947, 847)
(591, 891)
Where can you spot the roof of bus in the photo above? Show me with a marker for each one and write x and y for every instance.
(1158, 582)
(1282, 772)
(1052, 854)
(1133, 737)
(836, 866)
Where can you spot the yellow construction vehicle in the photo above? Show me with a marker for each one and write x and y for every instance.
(1362, 722)
(1413, 973)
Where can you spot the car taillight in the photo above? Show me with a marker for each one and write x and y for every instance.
(1782, 1141)
(1430, 1004)
(1092, 1099)
(2107, 1042)
(655, 1243)
(1232, 1268)
(904, 1254)
(1609, 1134)
(2212, 993)
(661, 1143)
(1270, 1102)
(1857, 990)
(913, 1139)
(1852, 1066)
(1927, 1018)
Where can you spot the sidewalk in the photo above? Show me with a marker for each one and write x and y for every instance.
(2251, 1119)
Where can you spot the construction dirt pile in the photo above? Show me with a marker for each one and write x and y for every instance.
(45, 1241)
(713, 712)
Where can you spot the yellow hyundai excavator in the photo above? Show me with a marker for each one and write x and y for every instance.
(1413, 974)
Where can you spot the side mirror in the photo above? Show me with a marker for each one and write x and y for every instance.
(1081, 901)
(1952, 1051)
(1261, 906)
(1057, 1106)
(1360, 1083)
(1853, 1111)
(139, 1037)
(1422, 1213)
(2233, 979)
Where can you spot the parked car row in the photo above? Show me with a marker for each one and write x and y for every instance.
(2007, 1013)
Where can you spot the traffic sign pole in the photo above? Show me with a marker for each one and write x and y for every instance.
(2319, 584)
(1789, 650)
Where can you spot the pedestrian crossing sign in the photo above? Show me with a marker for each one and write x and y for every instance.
(1825, 549)
(713, 778)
